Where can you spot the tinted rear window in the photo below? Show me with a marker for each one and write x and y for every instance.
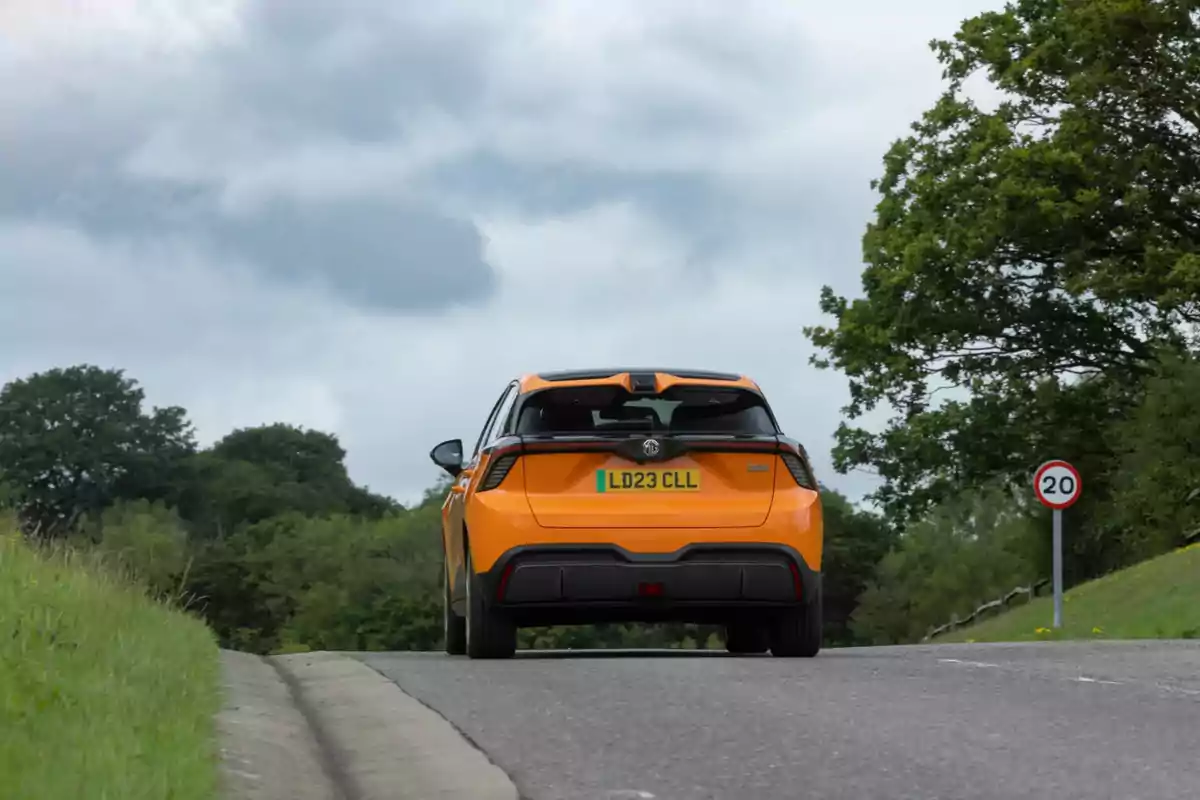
(611, 409)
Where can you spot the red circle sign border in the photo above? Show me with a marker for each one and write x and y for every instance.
(1037, 480)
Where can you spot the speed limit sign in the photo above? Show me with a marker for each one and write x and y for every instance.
(1057, 485)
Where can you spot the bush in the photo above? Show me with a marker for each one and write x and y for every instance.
(966, 553)
(146, 541)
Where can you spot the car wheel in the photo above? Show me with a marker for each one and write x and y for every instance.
(490, 633)
(454, 627)
(797, 632)
(745, 638)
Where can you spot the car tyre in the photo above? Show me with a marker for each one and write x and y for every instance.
(489, 631)
(747, 638)
(797, 632)
(454, 627)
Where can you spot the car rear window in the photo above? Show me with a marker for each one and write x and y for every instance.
(601, 410)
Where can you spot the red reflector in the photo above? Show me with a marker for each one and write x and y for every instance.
(650, 589)
(796, 582)
(504, 576)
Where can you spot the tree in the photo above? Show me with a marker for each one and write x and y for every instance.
(855, 541)
(1017, 249)
(75, 440)
(333, 581)
(257, 473)
(962, 554)
(1157, 471)
(290, 453)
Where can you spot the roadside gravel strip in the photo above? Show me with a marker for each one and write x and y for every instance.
(321, 726)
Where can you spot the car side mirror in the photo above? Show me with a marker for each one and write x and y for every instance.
(449, 456)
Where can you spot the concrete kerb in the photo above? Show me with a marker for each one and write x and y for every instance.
(384, 743)
(268, 749)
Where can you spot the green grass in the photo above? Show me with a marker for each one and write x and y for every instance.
(1156, 599)
(104, 694)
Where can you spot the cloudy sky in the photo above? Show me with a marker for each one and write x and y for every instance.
(365, 216)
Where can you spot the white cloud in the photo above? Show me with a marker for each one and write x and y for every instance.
(214, 339)
(770, 117)
(603, 287)
(116, 25)
(766, 97)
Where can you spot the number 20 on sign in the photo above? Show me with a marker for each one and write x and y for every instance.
(1057, 485)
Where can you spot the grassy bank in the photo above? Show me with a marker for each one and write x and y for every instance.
(1156, 599)
(104, 694)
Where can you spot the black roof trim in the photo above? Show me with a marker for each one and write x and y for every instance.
(597, 374)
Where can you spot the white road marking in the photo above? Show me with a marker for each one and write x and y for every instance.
(967, 663)
(629, 794)
(1079, 679)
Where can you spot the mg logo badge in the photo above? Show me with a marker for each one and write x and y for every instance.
(651, 447)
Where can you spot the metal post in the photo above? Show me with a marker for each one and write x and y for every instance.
(1058, 568)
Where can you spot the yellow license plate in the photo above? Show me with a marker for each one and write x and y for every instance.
(647, 480)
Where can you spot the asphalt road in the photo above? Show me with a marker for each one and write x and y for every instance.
(960, 722)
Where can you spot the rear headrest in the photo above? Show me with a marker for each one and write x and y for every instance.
(557, 419)
(699, 418)
(689, 414)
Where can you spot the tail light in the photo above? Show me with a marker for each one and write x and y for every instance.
(497, 471)
(800, 471)
(797, 582)
(502, 587)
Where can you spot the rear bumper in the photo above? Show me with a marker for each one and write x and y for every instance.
(600, 576)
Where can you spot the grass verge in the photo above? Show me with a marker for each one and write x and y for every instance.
(1156, 599)
(104, 694)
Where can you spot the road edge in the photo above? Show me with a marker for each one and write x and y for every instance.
(268, 748)
(380, 741)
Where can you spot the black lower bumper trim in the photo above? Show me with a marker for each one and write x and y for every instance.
(608, 576)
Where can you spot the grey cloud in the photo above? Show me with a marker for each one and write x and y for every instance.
(379, 253)
(686, 201)
(823, 224)
(65, 164)
(686, 125)
(352, 68)
(355, 71)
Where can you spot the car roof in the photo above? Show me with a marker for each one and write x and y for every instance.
(664, 377)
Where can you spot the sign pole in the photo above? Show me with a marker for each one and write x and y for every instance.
(1057, 485)
(1058, 568)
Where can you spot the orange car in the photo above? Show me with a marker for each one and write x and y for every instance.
(618, 495)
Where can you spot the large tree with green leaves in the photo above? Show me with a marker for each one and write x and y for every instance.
(1018, 247)
(1156, 497)
(961, 554)
(256, 473)
(75, 440)
(855, 541)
